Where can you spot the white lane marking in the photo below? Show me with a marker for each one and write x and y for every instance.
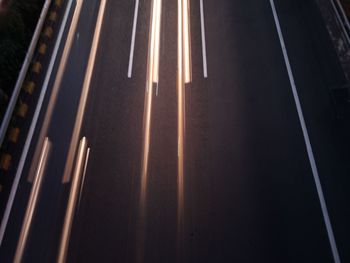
(132, 47)
(84, 174)
(307, 140)
(33, 125)
(186, 37)
(204, 46)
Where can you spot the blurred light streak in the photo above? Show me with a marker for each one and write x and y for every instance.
(152, 77)
(180, 88)
(56, 88)
(72, 201)
(84, 95)
(33, 200)
(184, 76)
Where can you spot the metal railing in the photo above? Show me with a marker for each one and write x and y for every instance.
(342, 19)
(21, 77)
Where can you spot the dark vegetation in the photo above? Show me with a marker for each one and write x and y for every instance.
(17, 24)
(346, 5)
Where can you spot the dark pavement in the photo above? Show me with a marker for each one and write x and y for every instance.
(249, 192)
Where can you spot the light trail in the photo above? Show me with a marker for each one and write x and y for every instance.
(180, 87)
(72, 201)
(56, 88)
(152, 77)
(84, 94)
(32, 203)
(183, 77)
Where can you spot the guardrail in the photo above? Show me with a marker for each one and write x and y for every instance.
(27, 61)
(16, 140)
(342, 19)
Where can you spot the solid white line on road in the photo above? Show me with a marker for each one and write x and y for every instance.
(307, 140)
(33, 125)
(84, 174)
(204, 46)
(132, 47)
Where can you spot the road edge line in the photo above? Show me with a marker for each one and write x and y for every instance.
(310, 153)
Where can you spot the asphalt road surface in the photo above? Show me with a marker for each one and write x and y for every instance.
(198, 150)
